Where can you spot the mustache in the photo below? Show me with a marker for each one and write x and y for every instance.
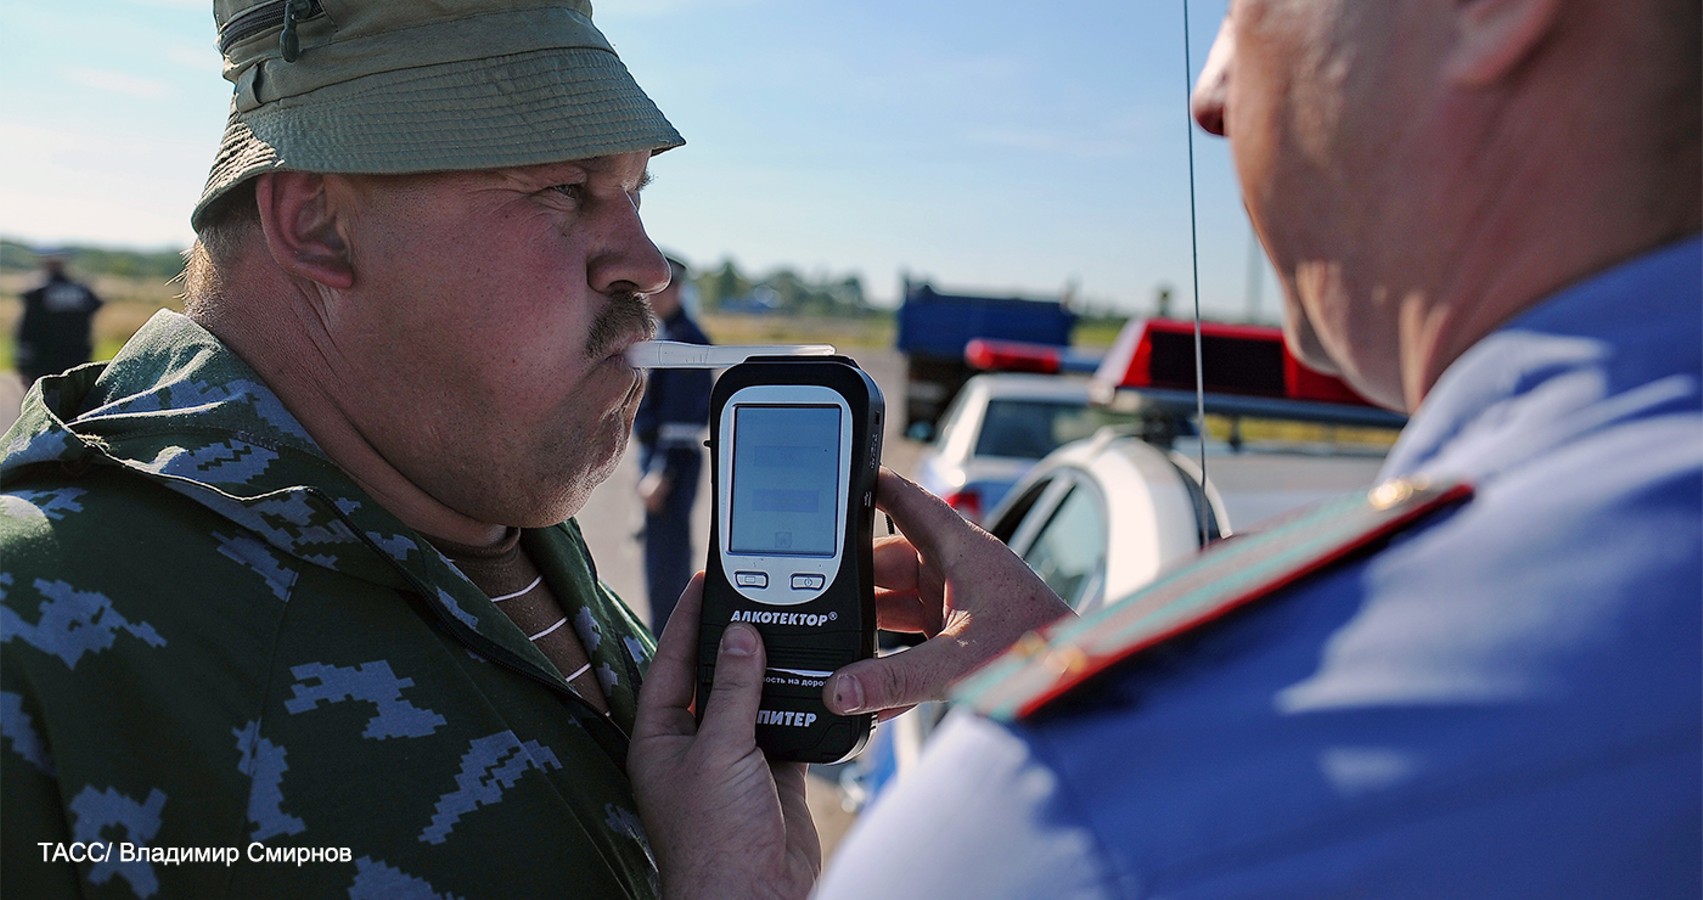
(628, 313)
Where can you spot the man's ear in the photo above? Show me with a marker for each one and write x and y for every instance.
(1495, 37)
(301, 228)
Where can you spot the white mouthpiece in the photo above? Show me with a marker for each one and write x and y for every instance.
(678, 355)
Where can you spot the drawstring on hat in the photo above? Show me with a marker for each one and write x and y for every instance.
(258, 19)
(288, 43)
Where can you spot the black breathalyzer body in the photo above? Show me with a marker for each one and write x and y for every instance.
(796, 443)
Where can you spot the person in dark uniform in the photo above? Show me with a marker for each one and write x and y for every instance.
(1483, 678)
(670, 427)
(54, 332)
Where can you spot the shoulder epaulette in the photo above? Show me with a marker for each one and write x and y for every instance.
(1046, 665)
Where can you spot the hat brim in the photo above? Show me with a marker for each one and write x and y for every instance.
(522, 109)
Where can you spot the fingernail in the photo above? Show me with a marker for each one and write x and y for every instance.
(848, 694)
(739, 640)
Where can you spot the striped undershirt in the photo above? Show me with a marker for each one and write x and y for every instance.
(514, 584)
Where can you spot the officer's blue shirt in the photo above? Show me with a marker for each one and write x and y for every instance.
(673, 416)
(1506, 701)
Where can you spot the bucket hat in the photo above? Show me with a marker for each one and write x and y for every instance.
(400, 86)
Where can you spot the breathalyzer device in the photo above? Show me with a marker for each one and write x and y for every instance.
(796, 443)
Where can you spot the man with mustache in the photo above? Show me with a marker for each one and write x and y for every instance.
(294, 604)
(294, 574)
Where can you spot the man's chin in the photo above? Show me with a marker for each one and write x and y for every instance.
(599, 469)
(1304, 342)
(563, 493)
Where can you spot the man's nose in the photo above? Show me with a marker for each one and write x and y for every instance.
(1212, 91)
(629, 261)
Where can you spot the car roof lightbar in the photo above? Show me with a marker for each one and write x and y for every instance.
(1246, 370)
(992, 355)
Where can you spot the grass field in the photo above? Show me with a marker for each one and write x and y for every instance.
(131, 301)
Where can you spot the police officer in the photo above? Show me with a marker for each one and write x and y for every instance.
(54, 332)
(1485, 677)
(670, 428)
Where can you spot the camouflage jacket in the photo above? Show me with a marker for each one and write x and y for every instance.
(226, 671)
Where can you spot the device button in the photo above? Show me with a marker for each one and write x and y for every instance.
(808, 582)
(752, 579)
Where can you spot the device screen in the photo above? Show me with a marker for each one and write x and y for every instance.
(786, 481)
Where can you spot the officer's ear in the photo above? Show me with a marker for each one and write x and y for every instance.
(301, 228)
(1494, 38)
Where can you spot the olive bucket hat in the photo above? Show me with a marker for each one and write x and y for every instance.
(398, 86)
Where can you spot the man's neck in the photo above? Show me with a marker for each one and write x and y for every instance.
(1593, 199)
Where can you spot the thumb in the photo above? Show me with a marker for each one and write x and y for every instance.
(731, 714)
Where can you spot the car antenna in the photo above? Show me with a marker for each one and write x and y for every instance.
(1194, 250)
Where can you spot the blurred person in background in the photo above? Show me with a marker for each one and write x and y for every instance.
(671, 425)
(57, 326)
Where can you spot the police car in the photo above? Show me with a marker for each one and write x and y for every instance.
(1100, 518)
(1004, 421)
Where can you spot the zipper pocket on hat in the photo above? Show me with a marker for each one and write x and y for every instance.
(261, 18)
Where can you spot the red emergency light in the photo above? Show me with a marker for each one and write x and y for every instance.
(1010, 356)
(991, 355)
(1245, 370)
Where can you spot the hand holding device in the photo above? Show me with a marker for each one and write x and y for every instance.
(723, 821)
(797, 445)
(950, 581)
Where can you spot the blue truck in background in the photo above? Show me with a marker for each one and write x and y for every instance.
(933, 329)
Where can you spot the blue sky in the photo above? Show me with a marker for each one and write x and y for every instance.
(994, 146)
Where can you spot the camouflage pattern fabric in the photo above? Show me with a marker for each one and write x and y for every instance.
(226, 671)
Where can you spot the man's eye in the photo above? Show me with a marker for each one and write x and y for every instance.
(574, 192)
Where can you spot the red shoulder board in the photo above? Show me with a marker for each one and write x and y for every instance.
(1225, 577)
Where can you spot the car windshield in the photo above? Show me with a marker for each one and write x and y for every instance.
(1069, 553)
(1030, 429)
